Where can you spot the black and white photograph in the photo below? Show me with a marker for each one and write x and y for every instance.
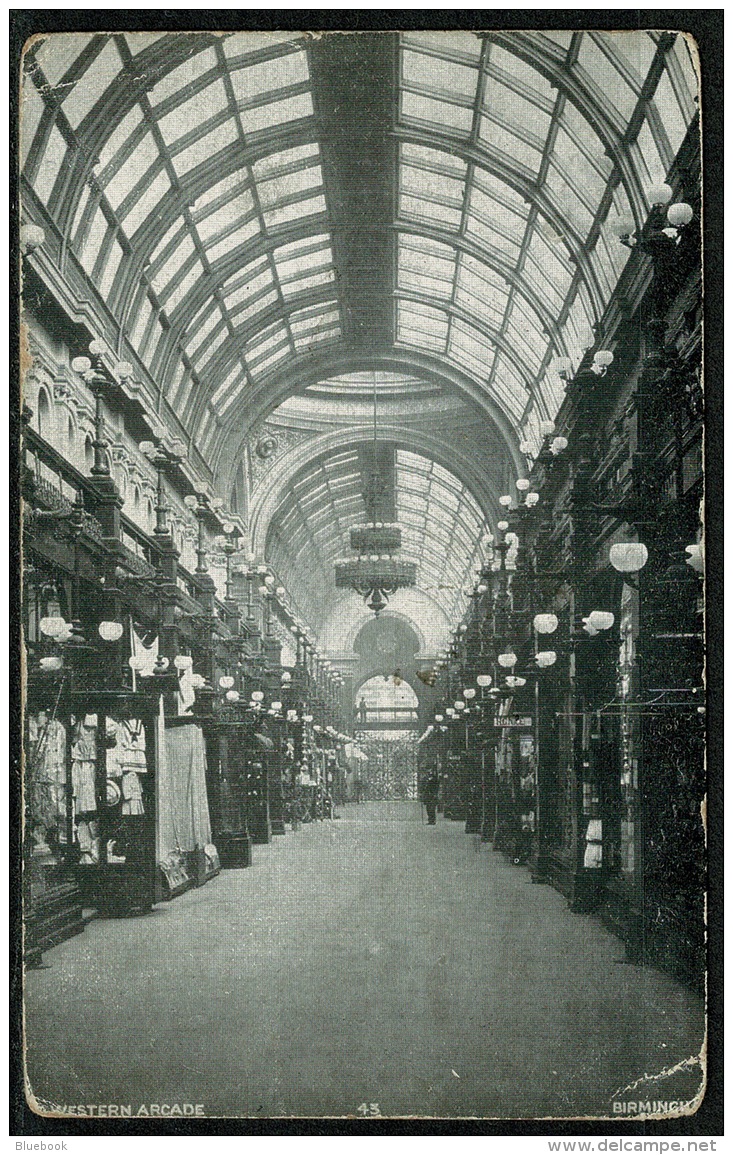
(363, 583)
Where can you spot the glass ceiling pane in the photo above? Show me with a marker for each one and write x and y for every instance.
(508, 385)
(119, 136)
(578, 170)
(487, 209)
(48, 170)
(133, 170)
(426, 265)
(238, 207)
(57, 53)
(279, 112)
(137, 41)
(442, 77)
(567, 200)
(433, 158)
(505, 106)
(672, 116)
(148, 200)
(303, 255)
(636, 49)
(229, 382)
(198, 108)
(93, 243)
(297, 209)
(269, 76)
(606, 78)
(241, 285)
(471, 349)
(32, 108)
(231, 241)
(480, 290)
(438, 112)
(459, 43)
(111, 266)
(420, 324)
(510, 67)
(173, 264)
(85, 93)
(236, 43)
(527, 151)
(427, 210)
(271, 192)
(427, 183)
(179, 78)
(204, 148)
(562, 39)
(650, 158)
(192, 276)
(242, 314)
(579, 128)
(305, 320)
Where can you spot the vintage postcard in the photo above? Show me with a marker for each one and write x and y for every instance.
(363, 574)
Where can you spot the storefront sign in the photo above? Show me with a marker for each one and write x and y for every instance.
(513, 723)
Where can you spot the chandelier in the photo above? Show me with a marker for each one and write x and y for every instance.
(375, 573)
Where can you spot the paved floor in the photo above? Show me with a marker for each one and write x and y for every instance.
(366, 960)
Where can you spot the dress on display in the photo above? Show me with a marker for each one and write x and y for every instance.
(83, 764)
(129, 761)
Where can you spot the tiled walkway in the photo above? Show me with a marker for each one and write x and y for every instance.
(373, 960)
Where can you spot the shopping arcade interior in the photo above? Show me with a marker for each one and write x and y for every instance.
(258, 322)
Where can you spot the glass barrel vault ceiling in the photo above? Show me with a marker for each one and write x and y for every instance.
(442, 529)
(185, 175)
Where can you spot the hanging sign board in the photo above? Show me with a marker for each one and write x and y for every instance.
(513, 723)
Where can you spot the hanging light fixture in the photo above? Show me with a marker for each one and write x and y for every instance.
(695, 557)
(628, 556)
(53, 627)
(110, 631)
(545, 623)
(600, 620)
(51, 663)
(375, 573)
(546, 658)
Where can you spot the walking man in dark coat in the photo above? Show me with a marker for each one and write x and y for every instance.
(429, 794)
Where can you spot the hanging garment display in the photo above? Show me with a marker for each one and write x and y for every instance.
(114, 749)
(83, 764)
(132, 794)
(593, 856)
(183, 808)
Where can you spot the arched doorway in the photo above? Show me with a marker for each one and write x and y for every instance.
(386, 720)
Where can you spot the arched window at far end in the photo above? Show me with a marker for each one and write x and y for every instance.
(43, 415)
